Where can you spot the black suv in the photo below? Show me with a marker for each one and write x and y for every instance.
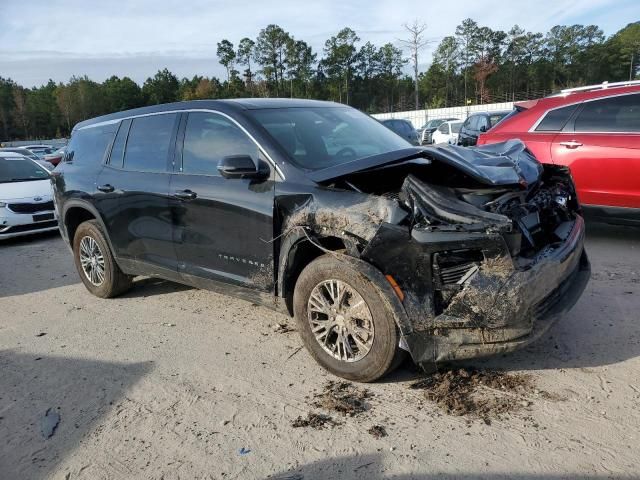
(478, 123)
(404, 128)
(315, 209)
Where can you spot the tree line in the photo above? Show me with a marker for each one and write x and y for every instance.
(475, 65)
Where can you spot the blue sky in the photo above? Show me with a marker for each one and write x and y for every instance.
(42, 39)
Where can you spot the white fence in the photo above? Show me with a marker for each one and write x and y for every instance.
(420, 117)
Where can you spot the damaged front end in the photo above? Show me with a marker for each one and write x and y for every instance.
(484, 246)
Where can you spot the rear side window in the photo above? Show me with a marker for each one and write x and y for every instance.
(89, 145)
(555, 120)
(616, 114)
(149, 143)
(117, 151)
(208, 138)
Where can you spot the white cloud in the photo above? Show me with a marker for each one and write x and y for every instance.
(41, 39)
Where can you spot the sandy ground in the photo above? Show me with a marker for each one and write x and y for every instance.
(170, 382)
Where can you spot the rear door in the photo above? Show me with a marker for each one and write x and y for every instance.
(601, 145)
(223, 227)
(134, 188)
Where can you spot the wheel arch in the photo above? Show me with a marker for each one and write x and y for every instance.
(296, 252)
(78, 211)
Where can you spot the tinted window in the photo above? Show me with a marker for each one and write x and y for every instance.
(149, 143)
(494, 119)
(89, 145)
(483, 123)
(556, 119)
(320, 137)
(472, 122)
(208, 138)
(117, 151)
(406, 128)
(616, 114)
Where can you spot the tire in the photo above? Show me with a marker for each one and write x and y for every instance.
(383, 355)
(112, 282)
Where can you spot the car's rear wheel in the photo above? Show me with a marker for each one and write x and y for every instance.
(95, 264)
(344, 322)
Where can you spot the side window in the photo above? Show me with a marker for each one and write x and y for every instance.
(149, 143)
(616, 114)
(208, 138)
(483, 123)
(443, 128)
(89, 145)
(555, 120)
(117, 151)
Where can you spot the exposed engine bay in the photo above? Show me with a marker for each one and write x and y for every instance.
(481, 241)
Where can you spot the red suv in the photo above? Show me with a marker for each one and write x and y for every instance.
(593, 130)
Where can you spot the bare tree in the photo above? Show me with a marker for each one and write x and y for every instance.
(415, 43)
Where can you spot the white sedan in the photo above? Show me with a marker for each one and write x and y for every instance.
(26, 197)
(447, 133)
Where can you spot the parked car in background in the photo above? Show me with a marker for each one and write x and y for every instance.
(54, 158)
(426, 131)
(22, 151)
(41, 150)
(447, 132)
(404, 128)
(593, 130)
(318, 210)
(478, 123)
(26, 201)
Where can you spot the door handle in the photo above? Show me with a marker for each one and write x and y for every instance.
(571, 144)
(185, 195)
(106, 188)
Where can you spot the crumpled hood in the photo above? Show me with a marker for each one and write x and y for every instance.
(507, 163)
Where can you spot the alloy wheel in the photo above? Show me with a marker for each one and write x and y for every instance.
(92, 260)
(340, 320)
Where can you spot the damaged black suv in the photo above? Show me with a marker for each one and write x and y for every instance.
(315, 209)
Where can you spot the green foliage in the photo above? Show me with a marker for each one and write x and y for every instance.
(476, 63)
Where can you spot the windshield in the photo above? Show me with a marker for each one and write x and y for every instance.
(20, 170)
(317, 138)
(455, 127)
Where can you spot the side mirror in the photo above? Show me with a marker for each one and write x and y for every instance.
(483, 128)
(242, 166)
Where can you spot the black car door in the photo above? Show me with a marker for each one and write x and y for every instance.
(133, 189)
(223, 227)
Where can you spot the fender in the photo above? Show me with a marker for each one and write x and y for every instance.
(84, 204)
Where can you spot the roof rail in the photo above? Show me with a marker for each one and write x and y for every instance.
(601, 86)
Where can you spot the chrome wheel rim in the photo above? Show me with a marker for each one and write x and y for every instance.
(340, 320)
(92, 261)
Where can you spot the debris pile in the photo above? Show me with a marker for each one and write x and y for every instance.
(344, 398)
(377, 431)
(314, 420)
(477, 393)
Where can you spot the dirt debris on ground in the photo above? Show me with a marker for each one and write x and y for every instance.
(314, 420)
(343, 397)
(377, 431)
(283, 328)
(479, 393)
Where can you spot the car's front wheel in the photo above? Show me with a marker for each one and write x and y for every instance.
(95, 264)
(344, 322)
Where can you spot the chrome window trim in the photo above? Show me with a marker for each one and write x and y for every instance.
(246, 132)
(535, 125)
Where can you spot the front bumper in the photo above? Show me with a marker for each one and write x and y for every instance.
(18, 224)
(500, 313)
